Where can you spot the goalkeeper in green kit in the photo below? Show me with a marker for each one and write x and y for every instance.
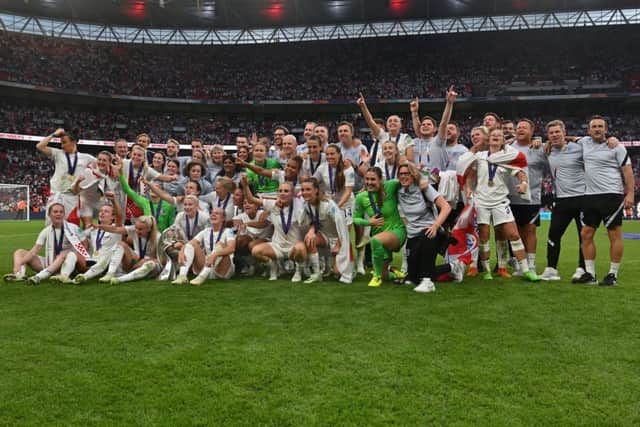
(380, 203)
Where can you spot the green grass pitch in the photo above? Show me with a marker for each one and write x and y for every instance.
(252, 352)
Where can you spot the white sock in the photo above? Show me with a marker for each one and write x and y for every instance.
(590, 266)
(22, 271)
(314, 259)
(69, 264)
(116, 259)
(44, 274)
(531, 259)
(97, 268)
(360, 258)
(615, 266)
(167, 268)
(405, 263)
(485, 265)
(189, 254)
(502, 252)
(273, 268)
(206, 271)
(139, 273)
(299, 267)
(524, 265)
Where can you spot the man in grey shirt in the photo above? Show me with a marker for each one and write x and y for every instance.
(609, 187)
(567, 171)
(527, 212)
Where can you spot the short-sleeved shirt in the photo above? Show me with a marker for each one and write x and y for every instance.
(94, 185)
(195, 225)
(454, 152)
(326, 214)
(430, 154)
(143, 247)
(67, 168)
(602, 166)
(280, 219)
(326, 176)
(212, 240)
(537, 166)
(101, 242)
(489, 196)
(49, 235)
(567, 170)
(133, 174)
(418, 213)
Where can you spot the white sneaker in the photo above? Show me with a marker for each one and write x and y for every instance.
(297, 276)
(578, 274)
(14, 277)
(60, 278)
(425, 286)
(550, 273)
(201, 277)
(457, 271)
(317, 277)
(106, 278)
(517, 272)
(33, 280)
(180, 280)
(80, 278)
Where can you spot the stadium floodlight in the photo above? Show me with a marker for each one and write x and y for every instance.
(15, 202)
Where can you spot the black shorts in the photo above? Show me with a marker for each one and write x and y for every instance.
(568, 205)
(526, 214)
(605, 208)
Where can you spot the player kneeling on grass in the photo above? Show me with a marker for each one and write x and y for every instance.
(489, 182)
(379, 202)
(101, 242)
(58, 240)
(285, 213)
(327, 228)
(136, 255)
(425, 211)
(209, 253)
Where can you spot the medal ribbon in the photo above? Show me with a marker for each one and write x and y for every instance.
(143, 249)
(99, 237)
(211, 243)
(393, 171)
(286, 225)
(71, 168)
(57, 244)
(373, 204)
(191, 230)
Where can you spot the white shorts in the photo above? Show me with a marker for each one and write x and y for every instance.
(495, 215)
(90, 206)
(214, 274)
(282, 253)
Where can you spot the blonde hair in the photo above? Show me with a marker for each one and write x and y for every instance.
(150, 222)
(413, 171)
(227, 183)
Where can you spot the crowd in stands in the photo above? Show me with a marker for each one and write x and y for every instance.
(477, 64)
(104, 124)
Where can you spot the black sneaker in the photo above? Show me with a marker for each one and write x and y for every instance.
(586, 279)
(609, 280)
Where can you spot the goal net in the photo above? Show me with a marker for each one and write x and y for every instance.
(15, 202)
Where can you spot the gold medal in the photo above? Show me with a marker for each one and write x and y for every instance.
(491, 184)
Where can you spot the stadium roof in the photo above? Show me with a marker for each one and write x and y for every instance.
(242, 14)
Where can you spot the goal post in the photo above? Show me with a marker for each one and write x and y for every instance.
(15, 202)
